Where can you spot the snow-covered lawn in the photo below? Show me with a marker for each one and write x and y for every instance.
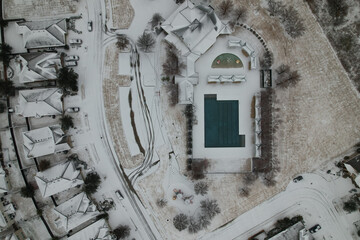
(35, 9)
(120, 13)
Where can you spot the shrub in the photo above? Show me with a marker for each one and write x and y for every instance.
(44, 164)
(194, 226)
(146, 42)
(2, 107)
(201, 188)
(27, 191)
(68, 79)
(121, 232)
(173, 92)
(7, 88)
(180, 221)
(156, 19)
(199, 167)
(5, 51)
(204, 221)
(173, 64)
(350, 206)
(244, 191)
(122, 42)
(266, 60)
(66, 122)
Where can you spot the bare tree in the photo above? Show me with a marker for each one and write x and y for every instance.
(121, 232)
(146, 42)
(122, 42)
(250, 178)
(275, 8)
(239, 15)
(225, 7)
(268, 179)
(194, 226)
(337, 10)
(161, 202)
(201, 188)
(285, 77)
(180, 221)
(292, 22)
(156, 19)
(209, 208)
(199, 167)
(244, 191)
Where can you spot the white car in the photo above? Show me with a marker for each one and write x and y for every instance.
(73, 109)
(71, 64)
(72, 58)
(119, 195)
(75, 41)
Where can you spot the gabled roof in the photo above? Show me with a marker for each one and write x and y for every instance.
(39, 66)
(44, 141)
(75, 212)
(39, 102)
(195, 28)
(97, 231)
(58, 178)
(45, 33)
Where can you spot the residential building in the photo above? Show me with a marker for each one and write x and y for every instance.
(7, 215)
(44, 141)
(39, 102)
(74, 212)
(37, 66)
(353, 167)
(296, 231)
(58, 178)
(43, 34)
(99, 230)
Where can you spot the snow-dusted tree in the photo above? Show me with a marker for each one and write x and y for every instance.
(204, 221)
(146, 42)
(156, 19)
(282, 69)
(201, 188)
(173, 63)
(225, 7)
(121, 232)
(122, 42)
(173, 92)
(292, 22)
(209, 207)
(180, 221)
(275, 8)
(161, 202)
(194, 226)
(286, 78)
(268, 179)
(337, 10)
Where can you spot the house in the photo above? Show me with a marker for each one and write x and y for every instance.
(37, 66)
(44, 141)
(99, 230)
(192, 29)
(4, 186)
(296, 231)
(43, 34)
(74, 212)
(7, 215)
(353, 167)
(39, 102)
(58, 178)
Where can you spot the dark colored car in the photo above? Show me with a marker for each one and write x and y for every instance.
(315, 228)
(297, 179)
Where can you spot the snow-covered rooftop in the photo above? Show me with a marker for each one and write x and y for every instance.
(41, 34)
(39, 102)
(293, 232)
(38, 66)
(75, 212)
(193, 28)
(58, 178)
(98, 230)
(186, 92)
(44, 141)
(4, 187)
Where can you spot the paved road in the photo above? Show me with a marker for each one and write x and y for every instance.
(311, 198)
(96, 115)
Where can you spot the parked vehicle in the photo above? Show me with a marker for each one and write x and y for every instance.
(72, 58)
(73, 109)
(71, 64)
(75, 41)
(297, 179)
(11, 110)
(90, 26)
(315, 228)
(119, 195)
